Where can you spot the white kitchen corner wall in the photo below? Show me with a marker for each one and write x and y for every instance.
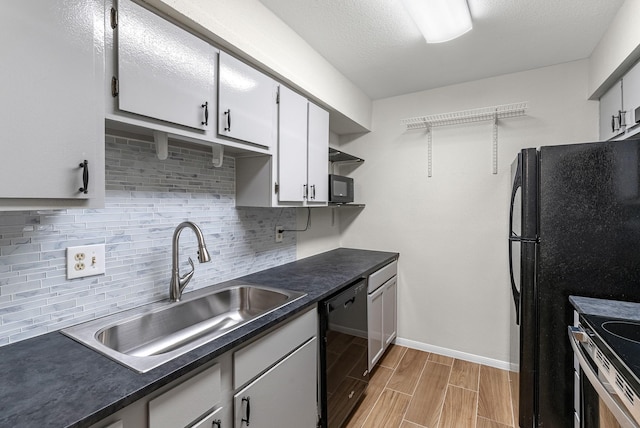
(146, 199)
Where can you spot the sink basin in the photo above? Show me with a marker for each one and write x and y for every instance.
(623, 329)
(147, 337)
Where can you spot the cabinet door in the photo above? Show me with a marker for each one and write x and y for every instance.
(292, 146)
(164, 71)
(285, 396)
(610, 106)
(318, 154)
(246, 102)
(52, 109)
(389, 314)
(631, 98)
(374, 316)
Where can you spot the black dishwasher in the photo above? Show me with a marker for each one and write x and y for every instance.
(343, 353)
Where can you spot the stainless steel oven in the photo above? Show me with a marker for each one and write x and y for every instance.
(344, 374)
(605, 389)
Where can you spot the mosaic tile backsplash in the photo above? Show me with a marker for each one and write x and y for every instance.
(146, 199)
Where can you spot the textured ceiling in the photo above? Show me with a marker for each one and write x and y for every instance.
(375, 44)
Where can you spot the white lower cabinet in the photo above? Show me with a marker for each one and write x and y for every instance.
(382, 311)
(374, 315)
(269, 382)
(276, 377)
(389, 316)
(284, 396)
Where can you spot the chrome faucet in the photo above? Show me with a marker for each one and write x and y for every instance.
(178, 283)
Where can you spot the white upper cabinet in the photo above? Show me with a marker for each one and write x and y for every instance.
(610, 112)
(618, 118)
(303, 150)
(318, 154)
(246, 103)
(292, 146)
(52, 109)
(163, 71)
(297, 172)
(631, 98)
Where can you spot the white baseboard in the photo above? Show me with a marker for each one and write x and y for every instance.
(504, 365)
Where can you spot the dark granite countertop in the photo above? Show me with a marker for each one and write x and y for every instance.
(53, 381)
(606, 308)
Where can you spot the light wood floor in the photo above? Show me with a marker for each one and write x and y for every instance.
(415, 389)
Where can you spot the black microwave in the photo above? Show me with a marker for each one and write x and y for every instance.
(340, 189)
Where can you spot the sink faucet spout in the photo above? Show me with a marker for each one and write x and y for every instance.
(178, 283)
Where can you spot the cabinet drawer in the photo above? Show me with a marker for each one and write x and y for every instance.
(255, 358)
(186, 402)
(212, 420)
(382, 275)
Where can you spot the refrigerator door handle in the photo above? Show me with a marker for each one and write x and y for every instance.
(514, 291)
(517, 183)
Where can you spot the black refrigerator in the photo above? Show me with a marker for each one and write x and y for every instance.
(574, 230)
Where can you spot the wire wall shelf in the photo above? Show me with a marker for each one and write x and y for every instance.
(483, 114)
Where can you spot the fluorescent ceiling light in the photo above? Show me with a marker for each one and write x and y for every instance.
(440, 20)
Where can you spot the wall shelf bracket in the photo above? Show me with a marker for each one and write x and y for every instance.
(218, 155)
(483, 114)
(162, 144)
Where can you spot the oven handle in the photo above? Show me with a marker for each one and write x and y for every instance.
(625, 420)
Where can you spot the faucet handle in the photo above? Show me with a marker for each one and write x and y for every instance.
(184, 280)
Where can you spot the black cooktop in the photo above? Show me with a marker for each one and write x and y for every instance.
(619, 340)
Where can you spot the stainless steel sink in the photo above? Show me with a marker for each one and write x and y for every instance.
(147, 337)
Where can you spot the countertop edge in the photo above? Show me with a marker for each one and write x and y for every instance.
(606, 308)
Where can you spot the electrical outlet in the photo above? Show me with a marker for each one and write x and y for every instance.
(279, 233)
(86, 260)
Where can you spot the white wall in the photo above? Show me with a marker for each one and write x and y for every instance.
(617, 51)
(251, 30)
(323, 233)
(451, 229)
